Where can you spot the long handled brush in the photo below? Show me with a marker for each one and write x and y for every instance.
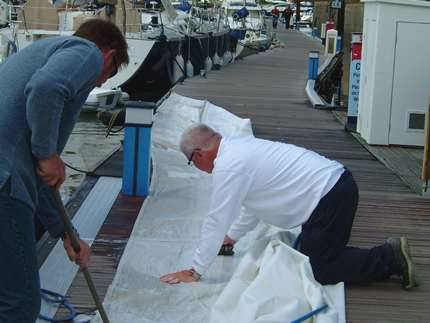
(75, 244)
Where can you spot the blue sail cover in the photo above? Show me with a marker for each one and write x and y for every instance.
(241, 13)
(238, 34)
(184, 6)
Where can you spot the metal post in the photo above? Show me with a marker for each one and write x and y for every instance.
(354, 80)
(314, 32)
(137, 148)
(323, 33)
(338, 44)
(313, 65)
(298, 17)
(341, 22)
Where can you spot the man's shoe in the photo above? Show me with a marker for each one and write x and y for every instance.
(402, 255)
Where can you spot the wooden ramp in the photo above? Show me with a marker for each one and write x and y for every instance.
(269, 89)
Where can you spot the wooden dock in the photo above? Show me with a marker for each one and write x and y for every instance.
(268, 88)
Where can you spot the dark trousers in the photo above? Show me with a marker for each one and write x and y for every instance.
(287, 22)
(19, 276)
(325, 236)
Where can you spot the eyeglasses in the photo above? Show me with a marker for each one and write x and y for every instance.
(115, 64)
(190, 160)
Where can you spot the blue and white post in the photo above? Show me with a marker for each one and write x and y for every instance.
(339, 44)
(313, 64)
(137, 148)
(354, 80)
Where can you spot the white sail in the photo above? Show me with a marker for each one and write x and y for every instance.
(171, 11)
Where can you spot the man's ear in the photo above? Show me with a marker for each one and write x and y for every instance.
(108, 54)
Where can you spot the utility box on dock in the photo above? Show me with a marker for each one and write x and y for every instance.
(137, 148)
(395, 72)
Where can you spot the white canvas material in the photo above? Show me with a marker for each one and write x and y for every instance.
(274, 283)
(167, 231)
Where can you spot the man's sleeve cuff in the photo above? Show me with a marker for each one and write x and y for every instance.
(57, 230)
(43, 153)
(199, 269)
(234, 235)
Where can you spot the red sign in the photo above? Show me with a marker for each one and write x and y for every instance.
(356, 41)
(356, 51)
(329, 25)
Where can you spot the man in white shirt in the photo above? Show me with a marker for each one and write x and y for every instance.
(286, 186)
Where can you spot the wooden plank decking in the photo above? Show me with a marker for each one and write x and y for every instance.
(107, 250)
(406, 162)
(269, 89)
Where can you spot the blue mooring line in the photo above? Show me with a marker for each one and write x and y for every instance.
(310, 314)
(53, 297)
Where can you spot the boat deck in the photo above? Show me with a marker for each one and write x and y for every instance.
(268, 88)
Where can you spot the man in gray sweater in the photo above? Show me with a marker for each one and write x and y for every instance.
(43, 88)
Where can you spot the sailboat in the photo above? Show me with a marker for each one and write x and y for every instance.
(165, 46)
(249, 26)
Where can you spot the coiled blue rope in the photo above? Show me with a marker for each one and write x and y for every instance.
(53, 297)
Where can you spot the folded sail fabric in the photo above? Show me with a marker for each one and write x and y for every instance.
(273, 283)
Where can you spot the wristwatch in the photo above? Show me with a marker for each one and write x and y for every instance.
(195, 274)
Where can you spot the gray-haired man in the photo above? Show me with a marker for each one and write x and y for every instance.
(286, 186)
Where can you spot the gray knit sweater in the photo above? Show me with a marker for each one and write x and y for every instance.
(42, 90)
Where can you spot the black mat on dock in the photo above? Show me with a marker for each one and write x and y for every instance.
(111, 167)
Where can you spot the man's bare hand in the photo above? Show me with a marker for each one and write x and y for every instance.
(184, 276)
(51, 171)
(228, 240)
(83, 257)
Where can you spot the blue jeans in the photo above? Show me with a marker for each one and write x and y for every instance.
(19, 276)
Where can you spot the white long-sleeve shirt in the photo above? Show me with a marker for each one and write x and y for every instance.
(279, 184)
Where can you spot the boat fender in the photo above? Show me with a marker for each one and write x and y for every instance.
(227, 58)
(216, 61)
(178, 68)
(208, 64)
(189, 69)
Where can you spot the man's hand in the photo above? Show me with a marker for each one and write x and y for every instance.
(51, 171)
(83, 257)
(184, 276)
(228, 240)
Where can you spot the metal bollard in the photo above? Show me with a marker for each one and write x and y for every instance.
(338, 44)
(330, 42)
(314, 32)
(323, 33)
(137, 148)
(313, 65)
